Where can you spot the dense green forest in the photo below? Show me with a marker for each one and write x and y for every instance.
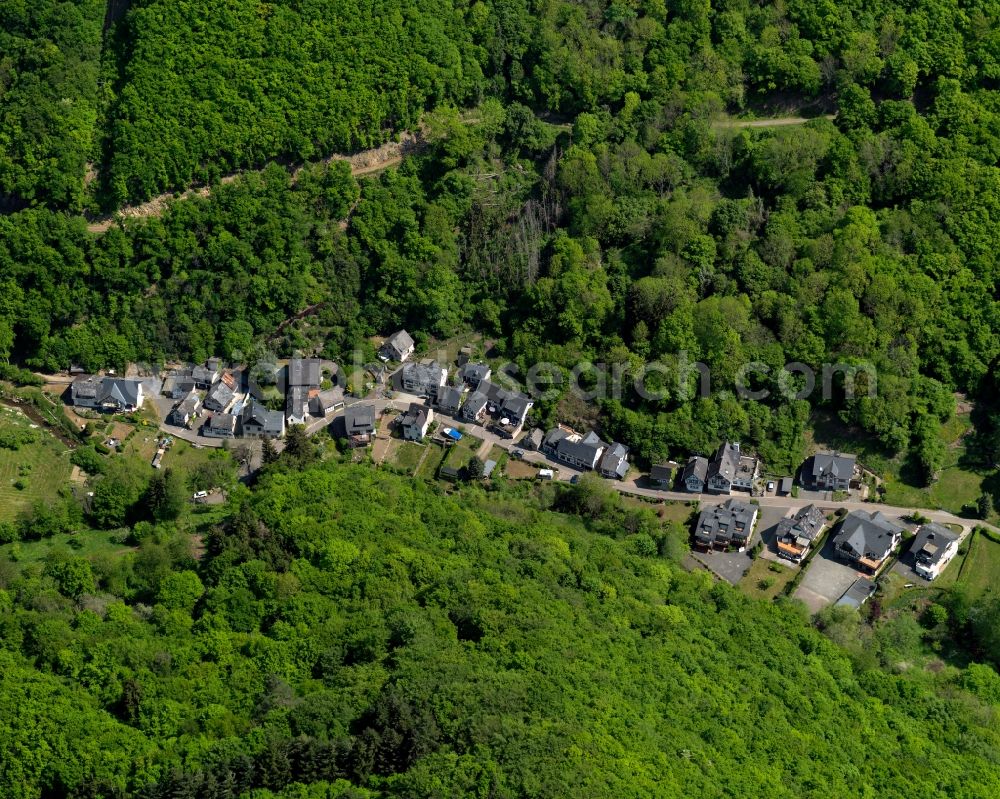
(372, 636)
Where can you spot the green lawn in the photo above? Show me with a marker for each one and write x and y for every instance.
(428, 469)
(980, 572)
(42, 466)
(766, 579)
(88, 543)
(408, 454)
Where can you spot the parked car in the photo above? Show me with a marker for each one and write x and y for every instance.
(200, 495)
(770, 486)
(517, 453)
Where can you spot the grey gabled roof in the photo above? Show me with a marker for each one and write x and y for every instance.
(726, 461)
(614, 459)
(304, 372)
(255, 413)
(400, 341)
(867, 535)
(474, 403)
(204, 374)
(119, 391)
(86, 387)
(697, 466)
(931, 543)
(221, 393)
(584, 450)
(189, 404)
(803, 527)
(474, 372)
(554, 436)
(415, 416)
(449, 396)
(296, 401)
(836, 463)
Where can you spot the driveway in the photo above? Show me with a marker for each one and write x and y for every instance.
(826, 580)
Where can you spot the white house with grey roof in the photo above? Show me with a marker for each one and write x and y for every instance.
(112, 394)
(828, 471)
(867, 539)
(359, 423)
(580, 452)
(932, 549)
(398, 347)
(220, 397)
(220, 425)
(473, 374)
(185, 410)
(506, 409)
(727, 525)
(414, 423)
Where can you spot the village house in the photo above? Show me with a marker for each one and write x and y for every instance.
(179, 385)
(828, 471)
(570, 448)
(472, 374)
(398, 347)
(297, 404)
(796, 534)
(731, 469)
(660, 476)
(205, 375)
(423, 379)
(111, 394)
(448, 399)
(533, 440)
(694, 475)
(933, 548)
(867, 539)
(220, 397)
(185, 410)
(258, 422)
(614, 462)
(220, 425)
(326, 401)
(415, 421)
(506, 409)
(359, 423)
(727, 525)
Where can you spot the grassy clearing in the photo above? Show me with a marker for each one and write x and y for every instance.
(89, 543)
(766, 579)
(981, 571)
(521, 470)
(407, 455)
(429, 466)
(41, 467)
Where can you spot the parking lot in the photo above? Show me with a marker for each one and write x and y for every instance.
(826, 579)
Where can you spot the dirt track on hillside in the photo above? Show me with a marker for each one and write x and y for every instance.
(365, 162)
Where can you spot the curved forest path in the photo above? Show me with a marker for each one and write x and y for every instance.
(773, 122)
(364, 162)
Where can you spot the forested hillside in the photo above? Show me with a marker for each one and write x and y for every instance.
(595, 202)
(352, 628)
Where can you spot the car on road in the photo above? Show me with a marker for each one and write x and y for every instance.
(200, 495)
(517, 453)
(770, 486)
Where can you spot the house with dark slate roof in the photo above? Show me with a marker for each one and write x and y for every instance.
(205, 376)
(694, 475)
(933, 548)
(867, 539)
(660, 475)
(448, 399)
(796, 534)
(359, 423)
(722, 469)
(473, 374)
(727, 525)
(506, 410)
(570, 448)
(828, 471)
(304, 372)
